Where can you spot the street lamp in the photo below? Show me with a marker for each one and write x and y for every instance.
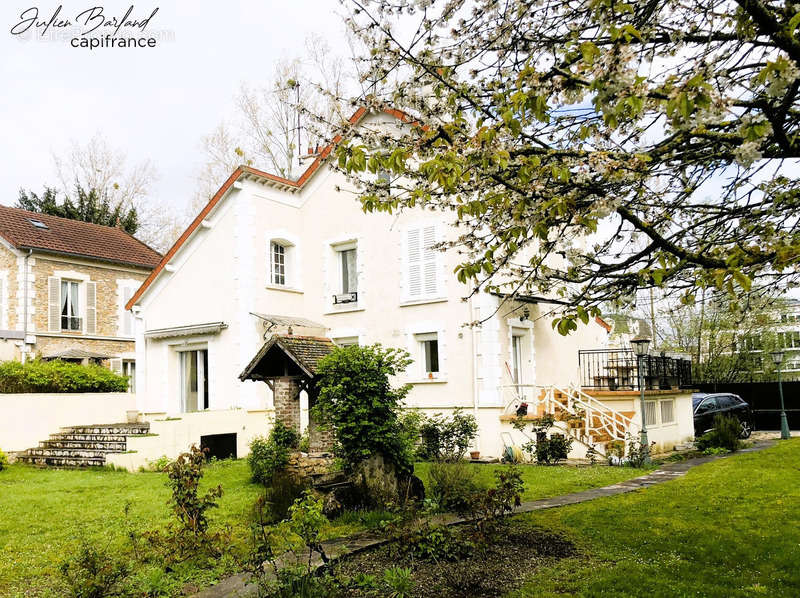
(777, 358)
(640, 344)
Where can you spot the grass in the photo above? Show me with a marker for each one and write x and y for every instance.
(45, 513)
(730, 528)
(544, 482)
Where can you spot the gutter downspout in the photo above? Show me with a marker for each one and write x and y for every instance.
(25, 310)
(475, 389)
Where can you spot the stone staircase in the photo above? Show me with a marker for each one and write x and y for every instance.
(83, 446)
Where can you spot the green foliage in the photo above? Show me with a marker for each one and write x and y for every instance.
(638, 453)
(58, 376)
(269, 456)
(3, 460)
(546, 449)
(281, 493)
(159, 464)
(86, 205)
(400, 581)
(93, 573)
(488, 508)
(451, 485)
(447, 439)
(188, 506)
(724, 434)
(357, 401)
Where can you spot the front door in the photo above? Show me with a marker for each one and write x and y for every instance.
(194, 380)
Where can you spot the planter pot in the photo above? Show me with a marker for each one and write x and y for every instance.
(474, 455)
(133, 417)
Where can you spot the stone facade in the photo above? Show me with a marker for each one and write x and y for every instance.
(319, 440)
(10, 265)
(106, 277)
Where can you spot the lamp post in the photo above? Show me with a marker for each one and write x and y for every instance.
(777, 358)
(640, 344)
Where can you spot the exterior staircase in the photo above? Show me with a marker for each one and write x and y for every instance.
(589, 421)
(83, 446)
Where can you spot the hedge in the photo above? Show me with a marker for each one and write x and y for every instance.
(58, 376)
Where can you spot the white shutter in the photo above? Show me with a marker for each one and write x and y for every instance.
(91, 307)
(116, 365)
(127, 316)
(54, 304)
(414, 262)
(429, 259)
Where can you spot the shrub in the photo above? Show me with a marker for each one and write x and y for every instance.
(447, 439)
(92, 573)
(188, 505)
(724, 434)
(451, 485)
(489, 507)
(400, 581)
(58, 376)
(3, 460)
(547, 450)
(269, 456)
(357, 401)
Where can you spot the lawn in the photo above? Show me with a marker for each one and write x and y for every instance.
(727, 529)
(45, 513)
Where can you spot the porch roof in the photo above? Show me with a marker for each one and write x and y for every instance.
(288, 355)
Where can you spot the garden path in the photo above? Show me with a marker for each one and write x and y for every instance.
(236, 586)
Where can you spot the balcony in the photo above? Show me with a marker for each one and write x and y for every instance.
(617, 369)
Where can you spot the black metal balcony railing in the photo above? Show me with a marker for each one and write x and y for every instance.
(618, 369)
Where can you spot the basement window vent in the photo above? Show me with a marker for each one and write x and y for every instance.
(38, 223)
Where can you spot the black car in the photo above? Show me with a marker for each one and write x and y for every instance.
(708, 406)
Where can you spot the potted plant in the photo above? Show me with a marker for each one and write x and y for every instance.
(474, 455)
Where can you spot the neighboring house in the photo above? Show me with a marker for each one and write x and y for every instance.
(63, 289)
(780, 330)
(268, 255)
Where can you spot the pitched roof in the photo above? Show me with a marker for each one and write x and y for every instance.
(73, 237)
(305, 351)
(248, 172)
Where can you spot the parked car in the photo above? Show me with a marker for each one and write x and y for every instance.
(708, 406)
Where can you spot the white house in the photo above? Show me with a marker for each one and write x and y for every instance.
(267, 254)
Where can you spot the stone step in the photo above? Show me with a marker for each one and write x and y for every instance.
(117, 429)
(70, 453)
(49, 461)
(64, 437)
(105, 445)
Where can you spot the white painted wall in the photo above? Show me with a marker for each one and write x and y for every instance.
(27, 418)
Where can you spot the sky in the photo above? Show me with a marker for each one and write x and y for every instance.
(153, 103)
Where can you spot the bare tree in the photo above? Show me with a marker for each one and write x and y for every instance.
(97, 165)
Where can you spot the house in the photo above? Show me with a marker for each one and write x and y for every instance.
(271, 256)
(63, 289)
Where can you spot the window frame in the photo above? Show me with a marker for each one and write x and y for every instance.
(274, 245)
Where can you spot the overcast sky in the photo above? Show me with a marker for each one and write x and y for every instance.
(153, 103)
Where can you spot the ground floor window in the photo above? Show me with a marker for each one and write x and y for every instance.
(194, 380)
(668, 411)
(129, 370)
(429, 353)
(651, 418)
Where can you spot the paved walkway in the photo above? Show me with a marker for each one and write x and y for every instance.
(237, 586)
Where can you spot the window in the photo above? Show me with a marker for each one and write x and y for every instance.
(706, 406)
(126, 326)
(421, 263)
(516, 358)
(668, 411)
(194, 380)
(429, 354)
(278, 261)
(38, 223)
(70, 306)
(129, 370)
(650, 413)
(347, 341)
(349, 265)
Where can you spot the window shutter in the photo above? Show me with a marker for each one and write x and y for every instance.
(429, 257)
(127, 316)
(414, 262)
(91, 307)
(116, 365)
(54, 304)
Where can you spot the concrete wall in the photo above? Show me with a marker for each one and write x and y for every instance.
(25, 419)
(170, 437)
